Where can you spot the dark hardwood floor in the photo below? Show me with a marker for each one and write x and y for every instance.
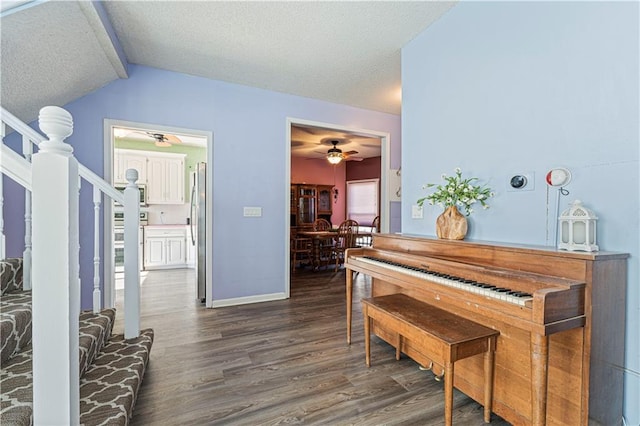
(279, 362)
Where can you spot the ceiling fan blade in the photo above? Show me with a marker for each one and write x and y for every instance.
(127, 133)
(350, 152)
(172, 139)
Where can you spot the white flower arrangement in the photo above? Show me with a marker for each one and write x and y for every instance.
(457, 192)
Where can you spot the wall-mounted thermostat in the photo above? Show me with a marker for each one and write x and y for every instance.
(521, 182)
(518, 181)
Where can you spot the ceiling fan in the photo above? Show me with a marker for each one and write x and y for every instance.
(160, 139)
(163, 140)
(335, 154)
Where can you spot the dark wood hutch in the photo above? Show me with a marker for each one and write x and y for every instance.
(310, 202)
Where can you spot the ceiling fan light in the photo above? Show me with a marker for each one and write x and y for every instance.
(334, 157)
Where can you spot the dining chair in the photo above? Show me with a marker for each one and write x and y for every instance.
(324, 246)
(367, 240)
(321, 225)
(300, 249)
(345, 238)
(375, 225)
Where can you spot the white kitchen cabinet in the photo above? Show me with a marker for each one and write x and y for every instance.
(176, 254)
(165, 178)
(165, 247)
(125, 159)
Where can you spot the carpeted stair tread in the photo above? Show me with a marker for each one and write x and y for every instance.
(109, 388)
(16, 382)
(15, 323)
(10, 275)
(94, 331)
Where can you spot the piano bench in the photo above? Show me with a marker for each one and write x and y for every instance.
(442, 336)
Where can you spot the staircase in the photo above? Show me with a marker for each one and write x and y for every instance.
(60, 365)
(111, 367)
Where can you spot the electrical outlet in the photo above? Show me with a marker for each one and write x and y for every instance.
(517, 182)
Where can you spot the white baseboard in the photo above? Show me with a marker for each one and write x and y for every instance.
(249, 299)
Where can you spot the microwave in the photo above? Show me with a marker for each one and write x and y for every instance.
(143, 193)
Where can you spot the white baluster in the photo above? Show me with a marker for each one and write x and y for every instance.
(56, 290)
(27, 152)
(2, 241)
(97, 296)
(3, 248)
(131, 262)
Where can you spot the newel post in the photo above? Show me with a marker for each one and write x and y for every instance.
(131, 261)
(56, 288)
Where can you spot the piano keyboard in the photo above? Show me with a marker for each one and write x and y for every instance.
(500, 293)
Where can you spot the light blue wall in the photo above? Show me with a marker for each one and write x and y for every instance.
(504, 87)
(249, 128)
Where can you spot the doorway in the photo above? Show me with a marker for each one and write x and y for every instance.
(320, 152)
(166, 154)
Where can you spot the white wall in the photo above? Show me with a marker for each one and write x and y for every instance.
(504, 87)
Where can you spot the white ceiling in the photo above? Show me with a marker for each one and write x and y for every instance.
(314, 142)
(137, 134)
(346, 52)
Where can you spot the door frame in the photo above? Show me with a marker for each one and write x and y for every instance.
(108, 277)
(385, 161)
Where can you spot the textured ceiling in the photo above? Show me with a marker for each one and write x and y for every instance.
(344, 52)
(50, 56)
(314, 142)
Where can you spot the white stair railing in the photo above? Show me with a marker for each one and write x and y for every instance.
(18, 169)
(32, 137)
(3, 243)
(52, 180)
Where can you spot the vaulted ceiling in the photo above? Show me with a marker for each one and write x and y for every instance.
(346, 52)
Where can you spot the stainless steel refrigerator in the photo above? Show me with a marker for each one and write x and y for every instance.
(197, 219)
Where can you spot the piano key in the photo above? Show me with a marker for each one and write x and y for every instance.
(500, 293)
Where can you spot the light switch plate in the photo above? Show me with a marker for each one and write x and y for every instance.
(416, 212)
(252, 211)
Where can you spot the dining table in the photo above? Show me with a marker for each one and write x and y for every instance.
(317, 238)
(329, 236)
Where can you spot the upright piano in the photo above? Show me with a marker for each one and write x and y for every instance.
(561, 317)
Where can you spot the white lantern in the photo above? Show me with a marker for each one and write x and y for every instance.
(577, 228)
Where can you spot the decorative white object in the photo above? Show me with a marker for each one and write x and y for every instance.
(394, 179)
(577, 228)
(559, 177)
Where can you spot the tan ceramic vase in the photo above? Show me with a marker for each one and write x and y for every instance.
(451, 224)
